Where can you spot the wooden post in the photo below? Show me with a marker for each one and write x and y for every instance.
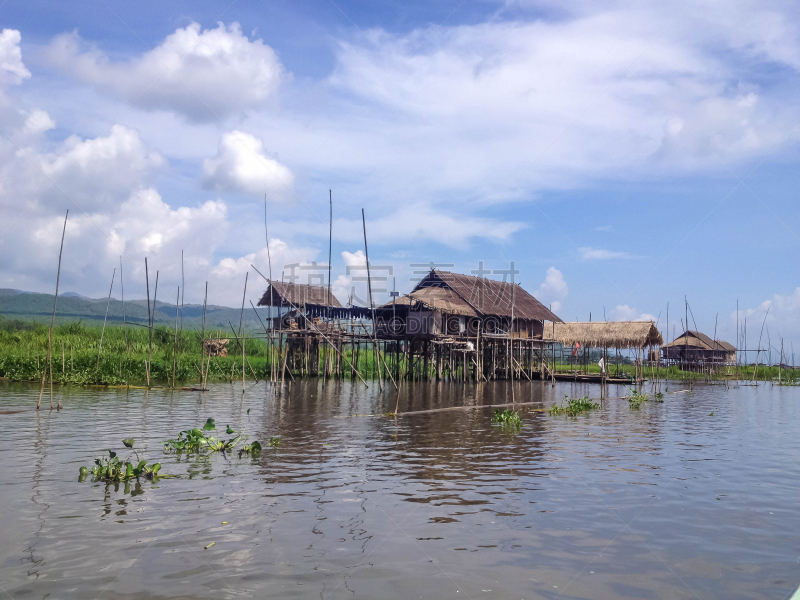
(175, 343)
(52, 323)
(102, 333)
(369, 289)
(204, 373)
(149, 328)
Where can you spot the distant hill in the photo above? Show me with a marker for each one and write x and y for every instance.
(16, 304)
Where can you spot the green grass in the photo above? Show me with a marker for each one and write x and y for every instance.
(23, 355)
(743, 372)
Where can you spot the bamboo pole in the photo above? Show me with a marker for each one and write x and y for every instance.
(182, 291)
(758, 352)
(150, 329)
(102, 333)
(369, 289)
(175, 343)
(203, 343)
(52, 323)
(241, 321)
(122, 292)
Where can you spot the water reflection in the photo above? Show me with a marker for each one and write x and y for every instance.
(666, 501)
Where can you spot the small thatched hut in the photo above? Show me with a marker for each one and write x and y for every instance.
(605, 334)
(302, 301)
(695, 347)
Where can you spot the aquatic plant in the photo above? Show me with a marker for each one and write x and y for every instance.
(573, 406)
(636, 399)
(509, 418)
(251, 449)
(198, 440)
(114, 469)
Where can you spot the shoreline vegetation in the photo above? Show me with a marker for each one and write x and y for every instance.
(78, 360)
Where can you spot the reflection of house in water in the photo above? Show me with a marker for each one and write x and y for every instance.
(695, 348)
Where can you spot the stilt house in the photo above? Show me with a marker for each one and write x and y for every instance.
(693, 347)
(455, 305)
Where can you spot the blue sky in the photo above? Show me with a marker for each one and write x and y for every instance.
(623, 156)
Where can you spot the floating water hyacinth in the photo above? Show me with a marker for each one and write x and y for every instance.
(114, 469)
(573, 406)
(199, 440)
(509, 418)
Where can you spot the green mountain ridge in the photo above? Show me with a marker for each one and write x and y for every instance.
(26, 306)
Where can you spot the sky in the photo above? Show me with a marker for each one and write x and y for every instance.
(617, 159)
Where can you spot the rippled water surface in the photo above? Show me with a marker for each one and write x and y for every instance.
(695, 497)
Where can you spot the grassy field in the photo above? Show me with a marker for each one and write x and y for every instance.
(123, 360)
(743, 372)
(23, 357)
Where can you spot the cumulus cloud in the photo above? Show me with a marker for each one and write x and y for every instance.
(12, 69)
(101, 170)
(240, 165)
(507, 106)
(783, 318)
(600, 254)
(37, 122)
(204, 75)
(553, 290)
(623, 312)
(279, 253)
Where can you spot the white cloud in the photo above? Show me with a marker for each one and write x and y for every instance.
(240, 165)
(414, 221)
(553, 290)
(355, 259)
(783, 318)
(102, 170)
(12, 70)
(506, 107)
(280, 254)
(37, 122)
(600, 254)
(623, 312)
(204, 75)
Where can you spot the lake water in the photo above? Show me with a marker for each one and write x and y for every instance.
(669, 501)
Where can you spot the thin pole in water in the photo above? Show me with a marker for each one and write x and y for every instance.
(122, 292)
(182, 290)
(52, 323)
(103, 332)
(175, 343)
(203, 343)
(149, 328)
(371, 304)
(241, 318)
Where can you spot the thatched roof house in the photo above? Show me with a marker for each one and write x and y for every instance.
(605, 334)
(489, 297)
(453, 304)
(693, 346)
(297, 295)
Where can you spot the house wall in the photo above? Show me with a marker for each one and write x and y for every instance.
(424, 322)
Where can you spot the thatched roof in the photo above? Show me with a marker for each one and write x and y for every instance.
(605, 334)
(695, 339)
(489, 297)
(443, 299)
(434, 298)
(297, 294)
